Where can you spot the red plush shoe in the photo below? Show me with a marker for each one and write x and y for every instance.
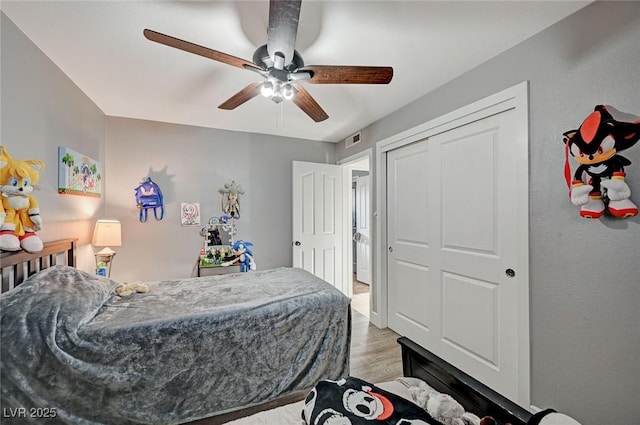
(623, 209)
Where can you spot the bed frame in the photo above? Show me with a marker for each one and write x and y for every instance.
(473, 395)
(17, 266)
(417, 362)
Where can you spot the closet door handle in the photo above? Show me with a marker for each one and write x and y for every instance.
(390, 249)
(297, 243)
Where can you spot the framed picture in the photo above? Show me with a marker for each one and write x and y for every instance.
(78, 174)
(190, 214)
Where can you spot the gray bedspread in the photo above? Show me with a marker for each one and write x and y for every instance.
(186, 349)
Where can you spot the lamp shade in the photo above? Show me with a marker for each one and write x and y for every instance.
(107, 233)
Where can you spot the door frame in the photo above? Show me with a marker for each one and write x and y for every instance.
(516, 98)
(349, 164)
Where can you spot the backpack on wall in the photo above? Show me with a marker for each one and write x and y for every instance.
(149, 196)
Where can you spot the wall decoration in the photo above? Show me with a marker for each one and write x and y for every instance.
(231, 199)
(190, 214)
(78, 174)
(149, 196)
(598, 182)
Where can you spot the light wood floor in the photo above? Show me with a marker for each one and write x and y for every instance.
(375, 354)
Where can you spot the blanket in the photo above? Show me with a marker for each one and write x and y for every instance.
(185, 350)
(352, 401)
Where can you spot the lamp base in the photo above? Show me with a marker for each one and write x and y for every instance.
(104, 259)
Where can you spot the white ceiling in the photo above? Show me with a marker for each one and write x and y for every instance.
(100, 46)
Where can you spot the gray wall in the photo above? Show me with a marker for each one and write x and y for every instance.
(585, 274)
(41, 110)
(190, 164)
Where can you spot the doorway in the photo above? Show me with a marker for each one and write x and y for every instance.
(323, 238)
(358, 239)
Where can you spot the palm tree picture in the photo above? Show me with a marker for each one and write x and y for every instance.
(78, 174)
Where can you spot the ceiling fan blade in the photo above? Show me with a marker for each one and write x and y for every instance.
(304, 101)
(330, 74)
(283, 30)
(242, 96)
(196, 49)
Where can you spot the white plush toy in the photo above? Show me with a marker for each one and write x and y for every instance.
(551, 417)
(442, 407)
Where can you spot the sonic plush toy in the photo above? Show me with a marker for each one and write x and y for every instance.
(242, 251)
(598, 182)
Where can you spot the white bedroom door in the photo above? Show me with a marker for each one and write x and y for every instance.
(363, 230)
(317, 220)
(453, 232)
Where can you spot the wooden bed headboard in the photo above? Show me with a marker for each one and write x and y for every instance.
(15, 267)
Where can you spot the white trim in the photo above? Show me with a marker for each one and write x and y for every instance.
(516, 98)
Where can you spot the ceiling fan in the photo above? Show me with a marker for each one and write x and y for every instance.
(281, 65)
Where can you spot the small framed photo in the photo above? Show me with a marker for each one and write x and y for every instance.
(190, 213)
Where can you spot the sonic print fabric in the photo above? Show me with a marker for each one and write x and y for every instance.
(352, 401)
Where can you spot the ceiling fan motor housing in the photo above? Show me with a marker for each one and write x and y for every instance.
(263, 60)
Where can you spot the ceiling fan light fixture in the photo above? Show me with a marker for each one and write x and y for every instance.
(287, 92)
(267, 89)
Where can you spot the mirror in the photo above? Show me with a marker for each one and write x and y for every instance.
(218, 240)
(219, 236)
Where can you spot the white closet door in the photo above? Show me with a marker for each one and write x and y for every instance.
(453, 241)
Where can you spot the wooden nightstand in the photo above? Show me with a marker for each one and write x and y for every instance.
(212, 271)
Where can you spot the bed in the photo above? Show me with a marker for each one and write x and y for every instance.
(419, 365)
(198, 350)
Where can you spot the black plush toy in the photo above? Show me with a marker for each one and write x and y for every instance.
(598, 182)
(352, 401)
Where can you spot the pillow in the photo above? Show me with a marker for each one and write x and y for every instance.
(354, 401)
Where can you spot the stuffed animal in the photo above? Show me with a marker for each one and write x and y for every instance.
(442, 407)
(231, 199)
(19, 210)
(126, 289)
(242, 251)
(598, 182)
(551, 417)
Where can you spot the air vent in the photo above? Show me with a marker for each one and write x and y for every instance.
(352, 140)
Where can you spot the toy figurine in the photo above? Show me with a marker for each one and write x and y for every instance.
(243, 252)
(231, 199)
(598, 182)
(19, 209)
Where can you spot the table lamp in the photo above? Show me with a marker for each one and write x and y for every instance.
(107, 233)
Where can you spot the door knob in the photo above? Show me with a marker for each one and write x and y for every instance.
(390, 249)
(510, 273)
(297, 243)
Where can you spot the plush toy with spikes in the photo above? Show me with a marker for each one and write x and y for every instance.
(242, 251)
(19, 210)
(598, 182)
(231, 199)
